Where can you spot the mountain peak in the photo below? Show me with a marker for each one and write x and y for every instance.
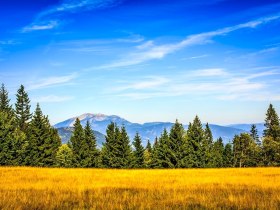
(98, 116)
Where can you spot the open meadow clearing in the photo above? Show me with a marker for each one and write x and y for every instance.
(53, 188)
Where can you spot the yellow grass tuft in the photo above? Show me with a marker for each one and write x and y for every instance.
(45, 188)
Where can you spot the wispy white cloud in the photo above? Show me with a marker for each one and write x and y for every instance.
(148, 83)
(220, 84)
(50, 18)
(196, 57)
(150, 51)
(52, 81)
(40, 26)
(52, 99)
(209, 72)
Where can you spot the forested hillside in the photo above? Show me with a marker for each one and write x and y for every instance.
(28, 139)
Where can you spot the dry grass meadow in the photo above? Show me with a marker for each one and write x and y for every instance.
(45, 188)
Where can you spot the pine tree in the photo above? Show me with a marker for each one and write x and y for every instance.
(22, 108)
(228, 155)
(5, 101)
(43, 141)
(206, 147)
(64, 156)
(77, 144)
(124, 149)
(107, 155)
(272, 124)
(162, 153)
(91, 151)
(176, 145)
(6, 140)
(195, 136)
(271, 140)
(138, 152)
(218, 154)
(254, 134)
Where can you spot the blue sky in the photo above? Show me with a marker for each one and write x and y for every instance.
(144, 60)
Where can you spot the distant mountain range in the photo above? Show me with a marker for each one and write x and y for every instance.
(99, 123)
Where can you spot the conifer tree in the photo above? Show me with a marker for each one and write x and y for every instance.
(91, 152)
(254, 134)
(4, 100)
(6, 140)
(206, 147)
(77, 144)
(272, 124)
(228, 155)
(124, 149)
(176, 145)
(138, 153)
(271, 140)
(163, 154)
(107, 154)
(218, 154)
(43, 141)
(22, 108)
(195, 136)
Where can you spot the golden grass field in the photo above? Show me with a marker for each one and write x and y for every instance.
(52, 188)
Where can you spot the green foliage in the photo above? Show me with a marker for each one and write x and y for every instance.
(195, 137)
(64, 156)
(77, 144)
(206, 148)
(37, 143)
(218, 154)
(5, 101)
(22, 109)
(91, 153)
(138, 153)
(43, 141)
(116, 151)
(272, 124)
(228, 156)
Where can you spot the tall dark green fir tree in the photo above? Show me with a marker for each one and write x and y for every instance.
(138, 153)
(77, 144)
(22, 108)
(91, 152)
(43, 141)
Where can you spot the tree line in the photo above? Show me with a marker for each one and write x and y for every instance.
(28, 139)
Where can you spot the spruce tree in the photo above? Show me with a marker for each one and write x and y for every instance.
(91, 152)
(218, 154)
(43, 141)
(195, 137)
(22, 108)
(228, 155)
(272, 124)
(254, 134)
(77, 144)
(107, 155)
(5, 101)
(6, 140)
(271, 140)
(176, 145)
(163, 154)
(124, 149)
(206, 147)
(138, 153)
